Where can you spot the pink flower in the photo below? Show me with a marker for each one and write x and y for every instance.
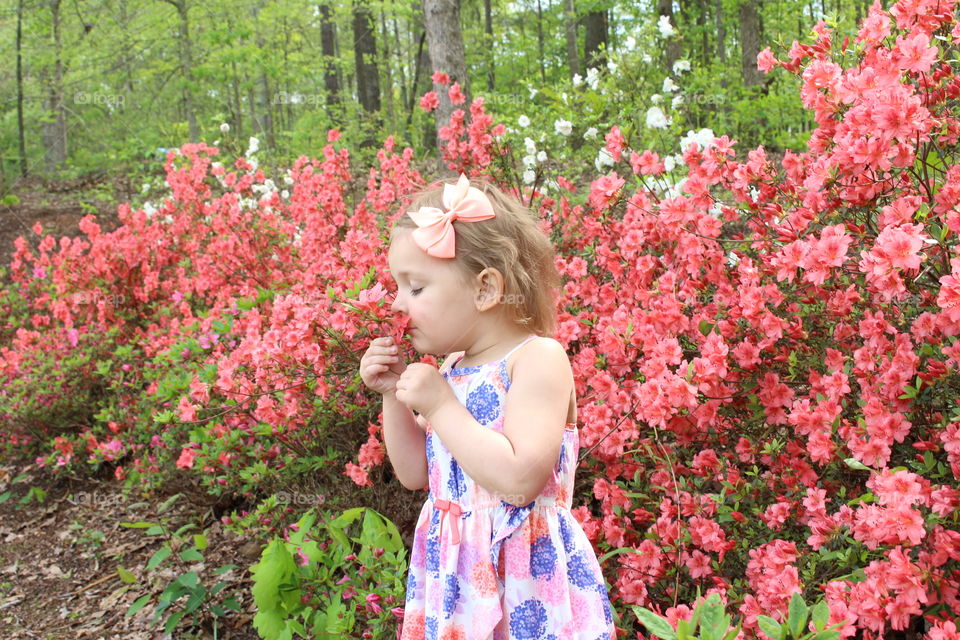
(430, 101)
(766, 60)
(615, 143)
(185, 461)
(456, 94)
(439, 77)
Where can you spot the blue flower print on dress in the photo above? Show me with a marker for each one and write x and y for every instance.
(528, 620)
(569, 544)
(433, 554)
(484, 403)
(450, 595)
(543, 558)
(579, 573)
(432, 630)
(456, 483)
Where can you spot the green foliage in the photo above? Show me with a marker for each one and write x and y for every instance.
(189, 597)
(329, 576)
(709, 621)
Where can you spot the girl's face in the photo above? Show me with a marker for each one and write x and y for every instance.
(434, 294)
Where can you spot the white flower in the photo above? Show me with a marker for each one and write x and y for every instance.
(563, 97)
(149, 209)
(563, 127)
(577, 80)
(529, 176)
(703, 138)
(541, 156)
(666, 29)
(669, 86)
(680, 66)
(612, 66)
(145, 188)
(254, 146)
(530, 146)
(715, 210)
(287, 180)
(224, 128)
(656, 98)
(732, 259)
(669, 163)
(590, 133)
(629, 43)
(533, 92)
(646, 58)
(285, 194)
(676, 102)
(754, 193)
(530, 160)
(657, 119)
(523, 121)
(604, 159)
(593, 78)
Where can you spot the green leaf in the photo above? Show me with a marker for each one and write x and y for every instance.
(136, 525)
(853, 463)
(200, 541)
(125, 575)
(137, 605)
(189, 579)
(827, 635)
(770, 627)
(221, 570)
(705, 327)
(798, 612)
(191, 555)
(820, 615)
(172, 622)
(657, 625)
(155, 530)
(159, 556)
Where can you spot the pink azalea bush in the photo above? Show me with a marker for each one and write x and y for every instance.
(766, 350)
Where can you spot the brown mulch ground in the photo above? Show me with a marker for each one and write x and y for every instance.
(61, 542)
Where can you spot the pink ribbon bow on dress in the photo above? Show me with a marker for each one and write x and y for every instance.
(435, 233)
(445, 507)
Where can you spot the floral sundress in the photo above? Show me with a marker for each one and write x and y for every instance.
(484, 569)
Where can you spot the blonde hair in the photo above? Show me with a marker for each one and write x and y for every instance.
(511, 242)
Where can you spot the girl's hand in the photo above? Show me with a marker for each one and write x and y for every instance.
(381, 367)
(422, 389)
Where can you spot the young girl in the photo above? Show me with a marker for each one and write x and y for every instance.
(492, 434)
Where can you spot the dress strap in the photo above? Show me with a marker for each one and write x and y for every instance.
(525, 341)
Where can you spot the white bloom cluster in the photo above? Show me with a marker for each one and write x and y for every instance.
(224, 128)
(629, 43)
(680, 66)
(253, 147)
(523, 121)
(530, 146)
(612, 67)
(590, 134)
(669, 86)
(656, 98)
(529, 176)
(593, 78)
(646, 58)
(577, 80)
(703, 138)
(676, 102)
(604, 159)
(563, 127)
(666, 29)
(657, 119)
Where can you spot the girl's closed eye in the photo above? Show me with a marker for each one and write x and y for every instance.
(416, 292)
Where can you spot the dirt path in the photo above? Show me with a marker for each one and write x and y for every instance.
(61, 543)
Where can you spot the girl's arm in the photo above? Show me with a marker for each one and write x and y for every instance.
(516, 464)
(406, 443)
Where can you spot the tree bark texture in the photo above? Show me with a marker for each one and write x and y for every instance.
(365, 56)
(595, 37)
(328, 40)
(570, 31)
(445, 43)
(750, 36)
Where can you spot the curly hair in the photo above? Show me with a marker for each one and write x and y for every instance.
(511, 242)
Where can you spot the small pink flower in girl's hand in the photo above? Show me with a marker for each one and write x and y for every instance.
(373, 600)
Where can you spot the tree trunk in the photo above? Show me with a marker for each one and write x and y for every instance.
(543, 63)
(445, 41)
(365, 56)
(594, 38)
(750, 35)
(331, 75)
(186, 64)
(672, 48)
(721, 31)
(20, 128)
(488, 28)
(55, 131)
(387, 72)
(570, 29)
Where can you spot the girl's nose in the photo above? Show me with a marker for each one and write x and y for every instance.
(395, 305)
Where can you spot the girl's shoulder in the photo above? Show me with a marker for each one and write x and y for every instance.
(538, 354)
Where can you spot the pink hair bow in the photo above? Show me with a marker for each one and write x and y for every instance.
(435, 233)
